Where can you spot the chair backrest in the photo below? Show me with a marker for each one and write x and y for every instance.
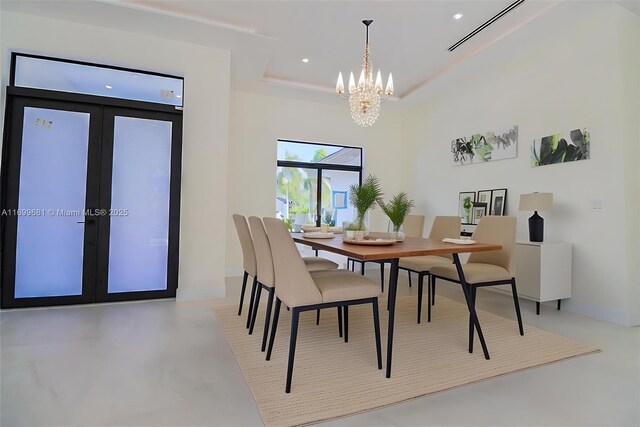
(413, 225)
(500, 230)
(445, 226)
(246, 243)
(264, 260)
(295, 285)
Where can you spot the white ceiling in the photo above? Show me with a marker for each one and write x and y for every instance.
(268, 39)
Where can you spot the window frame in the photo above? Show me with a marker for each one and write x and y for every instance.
(319, 167)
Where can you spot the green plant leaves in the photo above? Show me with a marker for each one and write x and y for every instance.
(364, 197)
(397, 209)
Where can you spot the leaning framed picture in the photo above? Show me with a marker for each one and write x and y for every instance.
(498, 201)
(484, 196)
(465, 206)
(479, 210)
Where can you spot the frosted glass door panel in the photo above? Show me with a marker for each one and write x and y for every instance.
(53, 176)
(139, 235)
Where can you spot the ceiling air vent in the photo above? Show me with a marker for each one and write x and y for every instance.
(490, 21)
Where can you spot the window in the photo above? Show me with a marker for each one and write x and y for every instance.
(312, 182)
(63, 75)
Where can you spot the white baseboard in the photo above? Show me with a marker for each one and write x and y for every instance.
(200, 293)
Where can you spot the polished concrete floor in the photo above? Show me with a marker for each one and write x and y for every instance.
(164, 363)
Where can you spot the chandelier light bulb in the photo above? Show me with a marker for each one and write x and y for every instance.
(361, 80)
(340, 84)
(389, 90)
(352, 83)
(379, 82)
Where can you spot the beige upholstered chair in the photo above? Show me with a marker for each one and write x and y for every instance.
(266, 277)
(248, 260)
(487, 268)
(443, 226)
(413, 227)
(301, 290)
(250, 267)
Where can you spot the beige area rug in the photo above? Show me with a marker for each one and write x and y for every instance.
(333, 379)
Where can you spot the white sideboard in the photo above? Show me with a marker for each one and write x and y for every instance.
(543, 271)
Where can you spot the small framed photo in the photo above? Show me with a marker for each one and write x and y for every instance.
(484, 196)
(479, 210)
(465, 206)
(498, 201)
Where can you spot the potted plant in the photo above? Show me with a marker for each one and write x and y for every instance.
(466, 205)
(363, 198)
(397, 210)
(350, 231)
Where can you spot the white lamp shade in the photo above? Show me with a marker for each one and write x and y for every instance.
(536, 202)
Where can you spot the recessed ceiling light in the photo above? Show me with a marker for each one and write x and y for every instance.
(108, 87)
(178, 96)
(457, 16)
(305, 60)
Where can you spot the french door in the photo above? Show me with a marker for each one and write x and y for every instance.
(90, 203)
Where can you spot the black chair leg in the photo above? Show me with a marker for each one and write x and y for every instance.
(295, 317)
(245, 276)
(256, 304)
(267, 319)
(471, 326)
(254, 289)
(428, 297)
(317, 316)
(433, 292)
(517, 304)
(340, 321)
(432, 286)
(409, 274)
(420, 287)
(274, 327)
(346, 323)
(382, 276)
(376, 328)
(362, 268)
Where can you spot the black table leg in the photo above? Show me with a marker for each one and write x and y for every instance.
(472, 310)
(393, 284)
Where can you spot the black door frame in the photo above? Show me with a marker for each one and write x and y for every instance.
(94, 278)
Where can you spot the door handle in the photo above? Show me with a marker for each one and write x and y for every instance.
(89, 221)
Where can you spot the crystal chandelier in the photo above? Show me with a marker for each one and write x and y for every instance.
(365, 98)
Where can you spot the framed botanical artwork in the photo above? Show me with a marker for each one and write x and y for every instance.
(484, 196)
(465, 206)
(498, 201)
(479, 210)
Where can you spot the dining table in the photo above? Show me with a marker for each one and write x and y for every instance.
(391, 253)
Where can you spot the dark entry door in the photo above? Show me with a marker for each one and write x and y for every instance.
(90, 203)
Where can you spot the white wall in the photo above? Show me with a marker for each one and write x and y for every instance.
(258, 121)
(206, 122)
(565, 70)
(628, 88)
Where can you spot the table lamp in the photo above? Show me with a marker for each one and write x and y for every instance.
(536, 202)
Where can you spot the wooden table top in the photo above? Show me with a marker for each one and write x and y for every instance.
(411, 246)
